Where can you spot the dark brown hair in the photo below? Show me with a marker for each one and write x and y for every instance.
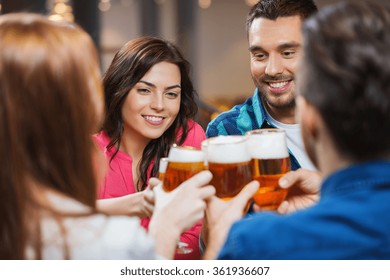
(129, 65)
(346, 76)
(272, 9)
(49, 93)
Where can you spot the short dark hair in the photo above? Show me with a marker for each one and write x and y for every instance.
(346, 76)
(272, 9)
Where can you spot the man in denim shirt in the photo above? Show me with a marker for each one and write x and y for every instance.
(343, 109)
(274, 38)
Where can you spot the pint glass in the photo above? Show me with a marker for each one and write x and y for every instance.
(162, 168)
(268, 148)
(228, 160)
(183, 163)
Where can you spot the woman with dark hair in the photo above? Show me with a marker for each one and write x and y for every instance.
(51, 102)
(150, 103)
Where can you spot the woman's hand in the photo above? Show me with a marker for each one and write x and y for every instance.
(140, 204)
(178, 210)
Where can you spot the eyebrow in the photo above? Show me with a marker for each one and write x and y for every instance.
(255, 49)
(281, 47)
(154, 86)
(292, 45)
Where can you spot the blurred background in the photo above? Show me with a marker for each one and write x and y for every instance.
(210, 33)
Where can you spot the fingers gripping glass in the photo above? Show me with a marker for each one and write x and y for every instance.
(228, 159)
(182, 163)
(268, 148)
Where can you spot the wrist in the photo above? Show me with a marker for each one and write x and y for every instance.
(165, 235)
(216, 238)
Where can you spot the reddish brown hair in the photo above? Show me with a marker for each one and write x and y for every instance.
(50, 98)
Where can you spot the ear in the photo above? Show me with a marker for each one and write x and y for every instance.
(307, 116)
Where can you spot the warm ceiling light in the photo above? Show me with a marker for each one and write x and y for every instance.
(104, 5)
(251, 2)
(60, 10)
(204, 4)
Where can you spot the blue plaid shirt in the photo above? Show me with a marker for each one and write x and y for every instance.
(241, 118)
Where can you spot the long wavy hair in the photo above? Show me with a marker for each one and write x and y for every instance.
(129, 65)
(50, 90)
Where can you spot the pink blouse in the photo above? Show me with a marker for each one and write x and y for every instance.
(119, 180)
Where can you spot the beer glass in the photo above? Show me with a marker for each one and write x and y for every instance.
(268, 148)
(181, 164)
(162, 168)
(229, 161)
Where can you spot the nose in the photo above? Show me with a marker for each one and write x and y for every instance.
(157, 102)
(274, 65)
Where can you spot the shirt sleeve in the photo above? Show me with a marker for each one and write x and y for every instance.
(124, 234)
(211, 130)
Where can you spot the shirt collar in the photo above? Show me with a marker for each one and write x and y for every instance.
(259, 111)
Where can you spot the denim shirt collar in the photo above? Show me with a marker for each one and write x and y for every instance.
(358, 176)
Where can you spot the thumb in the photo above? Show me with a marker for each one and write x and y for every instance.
(283, 208)
(246, 194)
(288, 179)
(153, 182)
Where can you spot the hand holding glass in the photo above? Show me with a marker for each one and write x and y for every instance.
(162, 168)
(228, 160)
(182, 163)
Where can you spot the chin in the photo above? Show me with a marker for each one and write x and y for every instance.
(286, 100)
(282, 104)
(153, 136)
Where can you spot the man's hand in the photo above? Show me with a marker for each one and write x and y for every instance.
(220, 215)
(304, 190)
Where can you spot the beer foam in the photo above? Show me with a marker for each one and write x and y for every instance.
(268, 146)
(227, 149)
(185, 154)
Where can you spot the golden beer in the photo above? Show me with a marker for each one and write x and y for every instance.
(161, 176)
(230, 178)
(268, 172)
(183, 163)
(268, 148)
(227, 158)
(178, 172)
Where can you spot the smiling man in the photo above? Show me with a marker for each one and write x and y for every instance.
(275, 38)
